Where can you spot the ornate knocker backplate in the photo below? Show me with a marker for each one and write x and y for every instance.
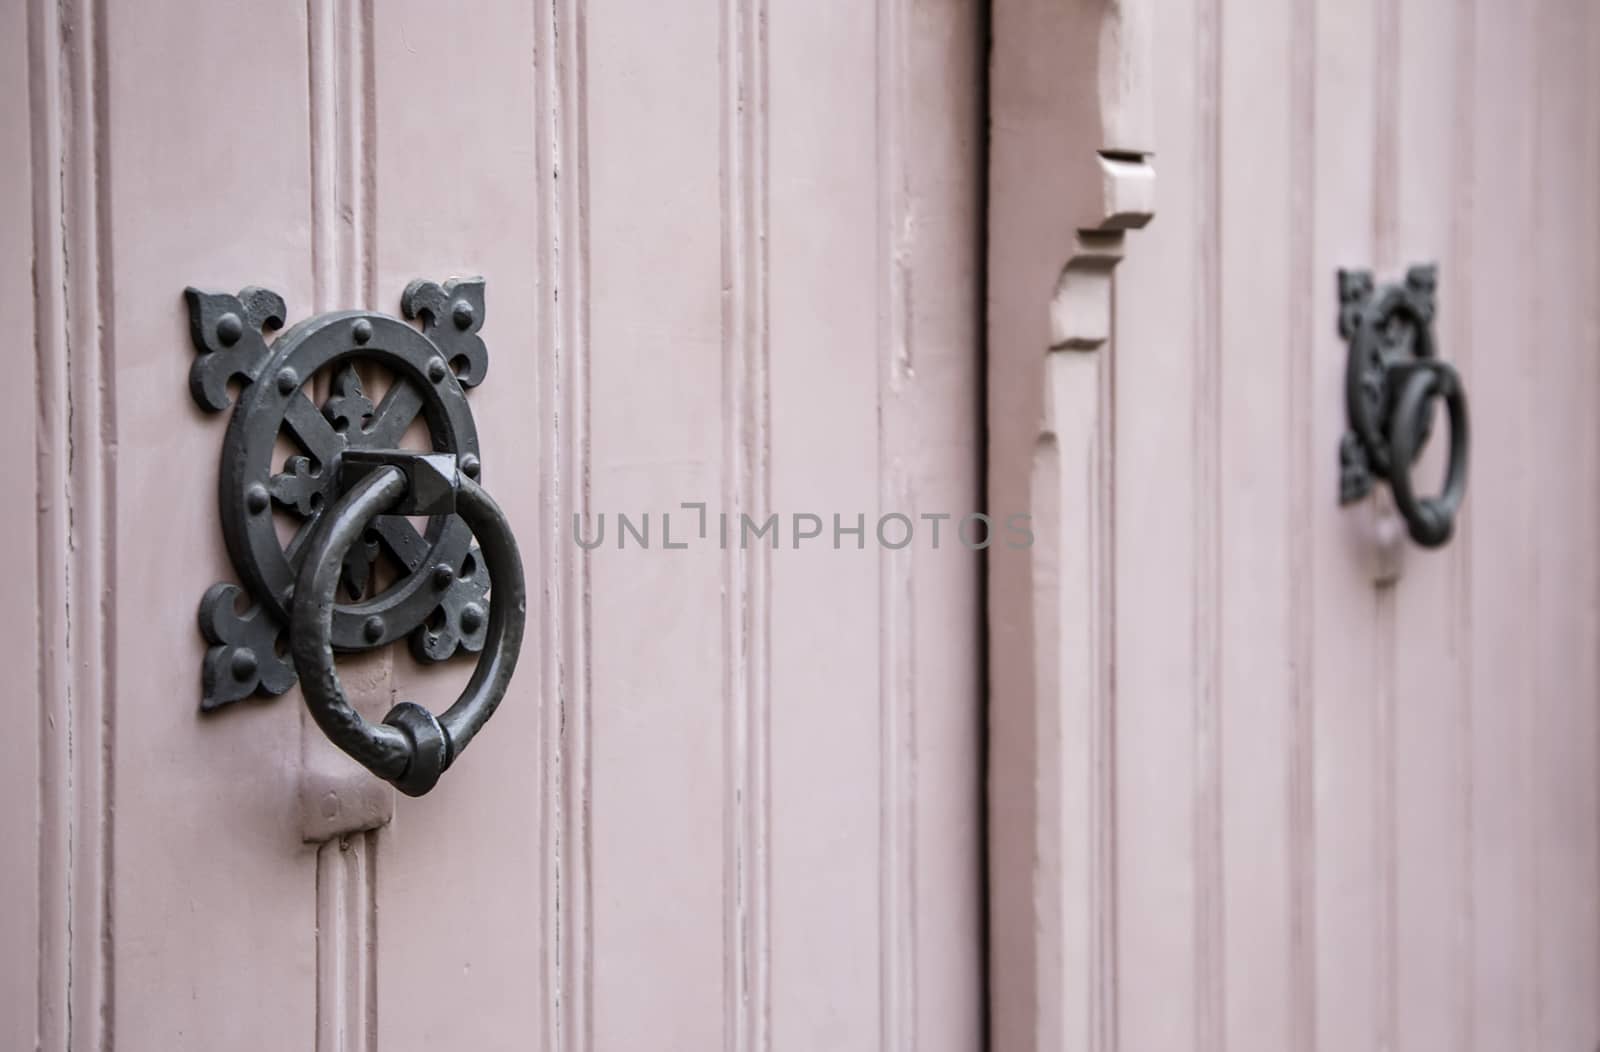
(305, 432)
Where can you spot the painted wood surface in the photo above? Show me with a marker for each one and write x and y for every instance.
(1290, 783)
(733, 255)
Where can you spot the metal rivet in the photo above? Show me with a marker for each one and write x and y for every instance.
(256, 499)
(361, 331)
(288, 380)
(436, 369)
(244, 663)
(461, 313)
(469, 465)
(229, 329)
(442, 577)
(471, 617)
(373, 629)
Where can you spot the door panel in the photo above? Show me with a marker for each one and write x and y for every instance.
(1352, 794)
(733, 797)
(459, 918)
(166, 185)
(655, 417)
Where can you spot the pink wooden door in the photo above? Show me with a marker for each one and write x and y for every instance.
(732, 253)
(1267, 775)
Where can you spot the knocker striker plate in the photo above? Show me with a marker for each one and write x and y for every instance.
(437, 573)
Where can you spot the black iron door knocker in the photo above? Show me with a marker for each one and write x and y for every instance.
(1392, 377)
(336, 478)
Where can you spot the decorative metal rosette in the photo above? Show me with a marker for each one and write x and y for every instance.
(280, 472)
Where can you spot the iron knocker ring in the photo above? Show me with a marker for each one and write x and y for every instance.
(1429, 520)
(411, 748)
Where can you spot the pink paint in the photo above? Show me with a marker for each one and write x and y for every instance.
(1263, 775)
(753, 819)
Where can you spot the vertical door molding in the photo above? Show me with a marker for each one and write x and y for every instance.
(75, 381)
(338, 797)
(340, 802)
(746, 489)
(566, 469)
(1070, 174)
